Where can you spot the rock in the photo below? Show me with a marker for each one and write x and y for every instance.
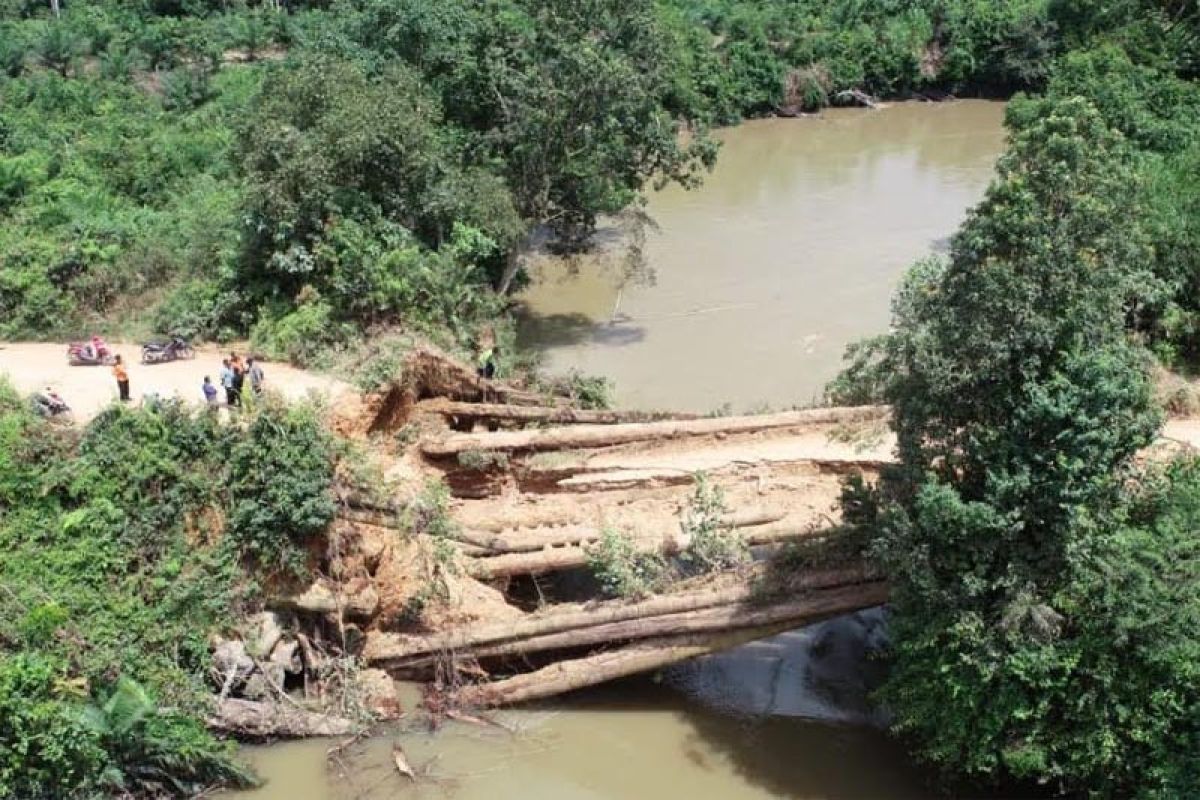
(379, 695)
(287, 655)
(362, 604)
(256, 687)
(231, 661)
(353, 638)
(265, 631)
(371, 544)
(317, 599)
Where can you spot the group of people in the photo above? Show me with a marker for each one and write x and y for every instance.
(234, 374)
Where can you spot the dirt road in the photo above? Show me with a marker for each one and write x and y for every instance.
(32, 366)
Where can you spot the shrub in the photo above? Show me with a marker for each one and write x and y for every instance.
(429, 513)
(47, 749)
(280, 479)
(712, 546)
(622, 570)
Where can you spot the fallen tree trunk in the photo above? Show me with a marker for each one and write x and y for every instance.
(820, 604)
(482, 542)
(583, 436)
(386, 648)
(566, 676)
(254, 720)
(857, 96)
(517, 413)
(559, 559)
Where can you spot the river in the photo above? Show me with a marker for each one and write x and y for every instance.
(756, 283)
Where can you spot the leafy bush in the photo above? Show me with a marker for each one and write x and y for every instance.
(47, 749)
(280, 479)
(712, 545)
(429, 512)
(122, 547)
(1034, 639)
(621, 569)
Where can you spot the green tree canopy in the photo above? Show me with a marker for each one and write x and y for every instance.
(1019, 403)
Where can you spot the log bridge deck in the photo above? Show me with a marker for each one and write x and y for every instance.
(533, 499)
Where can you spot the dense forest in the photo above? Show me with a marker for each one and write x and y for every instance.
(307, 174)
(300, 173)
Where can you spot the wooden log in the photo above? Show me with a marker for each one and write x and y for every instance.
(518, 413)
(483, 542)
(857, 96)
(559, 559)
(532, 540)
(585, 436)
(566, 676)
(254, 720)
(384, 648)
(822, 603)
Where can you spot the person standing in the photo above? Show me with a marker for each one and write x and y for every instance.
(239, 377)
(122, 376)
(255, 371)
(210, 393)
(227, 383)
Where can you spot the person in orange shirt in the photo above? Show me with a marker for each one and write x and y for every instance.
(122, 377)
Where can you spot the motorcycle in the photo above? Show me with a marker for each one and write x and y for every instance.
(50, 406)
(161, 352)
(90, 354)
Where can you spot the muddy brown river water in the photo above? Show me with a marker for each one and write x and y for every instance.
(789, 252)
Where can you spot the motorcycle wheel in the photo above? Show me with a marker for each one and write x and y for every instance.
(187, 353)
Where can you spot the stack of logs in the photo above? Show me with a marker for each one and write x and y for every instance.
(494, 553)
(589, 644)
(648, 634)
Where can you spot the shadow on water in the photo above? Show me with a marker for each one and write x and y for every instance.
(787, 757)
(546, 331)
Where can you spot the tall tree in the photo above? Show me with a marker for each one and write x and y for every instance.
(1019, 403)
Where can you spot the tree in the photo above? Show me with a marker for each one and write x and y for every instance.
(567, 98)
(1019, 404)
(334, 155)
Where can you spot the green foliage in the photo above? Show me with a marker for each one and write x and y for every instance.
(280, 479)
(483, 460)
(589, 391)
(46, 747)
(429, 512)
(113, 573)
(622, 570)
(712, 546)
(1011, 525)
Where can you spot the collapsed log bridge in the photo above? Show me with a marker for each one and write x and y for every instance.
(559, 480)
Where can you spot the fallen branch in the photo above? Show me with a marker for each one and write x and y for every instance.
(856, 96)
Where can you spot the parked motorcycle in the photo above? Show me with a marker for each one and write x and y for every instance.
(173, 350)
(94, 353)
(49, 405)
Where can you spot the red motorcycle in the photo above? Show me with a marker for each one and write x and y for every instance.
(94, 353)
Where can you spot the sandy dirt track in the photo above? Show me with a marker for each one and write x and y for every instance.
(31, 366)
